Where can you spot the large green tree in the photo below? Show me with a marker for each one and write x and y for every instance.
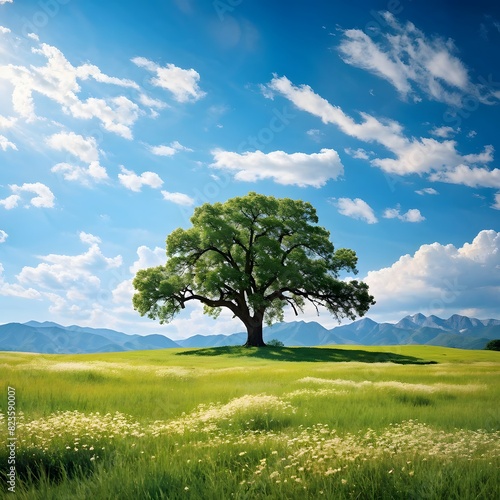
(253, 255)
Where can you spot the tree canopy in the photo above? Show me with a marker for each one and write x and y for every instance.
(253, 255)
(493, 345)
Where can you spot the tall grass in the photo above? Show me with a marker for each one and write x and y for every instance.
(399, 422)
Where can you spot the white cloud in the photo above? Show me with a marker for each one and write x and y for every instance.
(3, 236)
(370, 129)
(135, 182)
(148, 258)
(76, 285)
(163, 150)
(413, 63)
(472, 177)
(70, 273)
(10, 202)
(443, 132)
(151, 102)
(314, 134)
(179, 147)
(89, 239)
(182, 83)
(94, 172)
(5, 144)
(5, 1)
(424, 155)
(426, 191)
(359, 153)
(44, 197)
(441, 279)
(171, 150)
(3, 29)
(117, 114)
(178, 198)
(412, 215)
(124, 291)
(496, 205)
(86, 71)
(84, 148)
(7, 122)
(59, 80)
(359, 50)
(16, 290)
(299, 169)
(357, 209)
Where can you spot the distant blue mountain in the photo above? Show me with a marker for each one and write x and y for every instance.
(50, 337)
(456, 331)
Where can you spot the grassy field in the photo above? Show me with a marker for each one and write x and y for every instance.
(406, 422)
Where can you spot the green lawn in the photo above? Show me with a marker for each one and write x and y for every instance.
(231, 422)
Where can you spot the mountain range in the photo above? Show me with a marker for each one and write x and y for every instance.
(456, 331)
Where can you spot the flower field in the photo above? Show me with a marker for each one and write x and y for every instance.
(236, 423)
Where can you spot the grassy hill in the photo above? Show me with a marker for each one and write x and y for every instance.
(232, 422)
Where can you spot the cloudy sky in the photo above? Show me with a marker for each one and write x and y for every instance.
(118, 118)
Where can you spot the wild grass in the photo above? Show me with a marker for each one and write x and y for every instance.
(344, 422)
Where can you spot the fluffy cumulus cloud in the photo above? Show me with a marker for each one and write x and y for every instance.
(15, 289)
(7, 122)
(412, 215)
(178, 198)
(6, 144)
(414, 63)
(43, 196)
(117, 114)
(94, 172)
(181, 83)
(10, 202)
(440, 159)
(356, 209)
(163, 150)
(84, 149)
(135, 182)
(298, 169)
(59, 81)
(442, 279)
(3, 236)
(74, 284)
(147, 257)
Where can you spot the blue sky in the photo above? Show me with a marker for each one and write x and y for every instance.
(118, 118)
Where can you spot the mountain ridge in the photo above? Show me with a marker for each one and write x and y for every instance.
(456, 331)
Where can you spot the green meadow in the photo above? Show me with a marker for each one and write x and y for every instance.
(402, 422)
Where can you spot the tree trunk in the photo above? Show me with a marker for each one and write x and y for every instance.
(255, 338)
